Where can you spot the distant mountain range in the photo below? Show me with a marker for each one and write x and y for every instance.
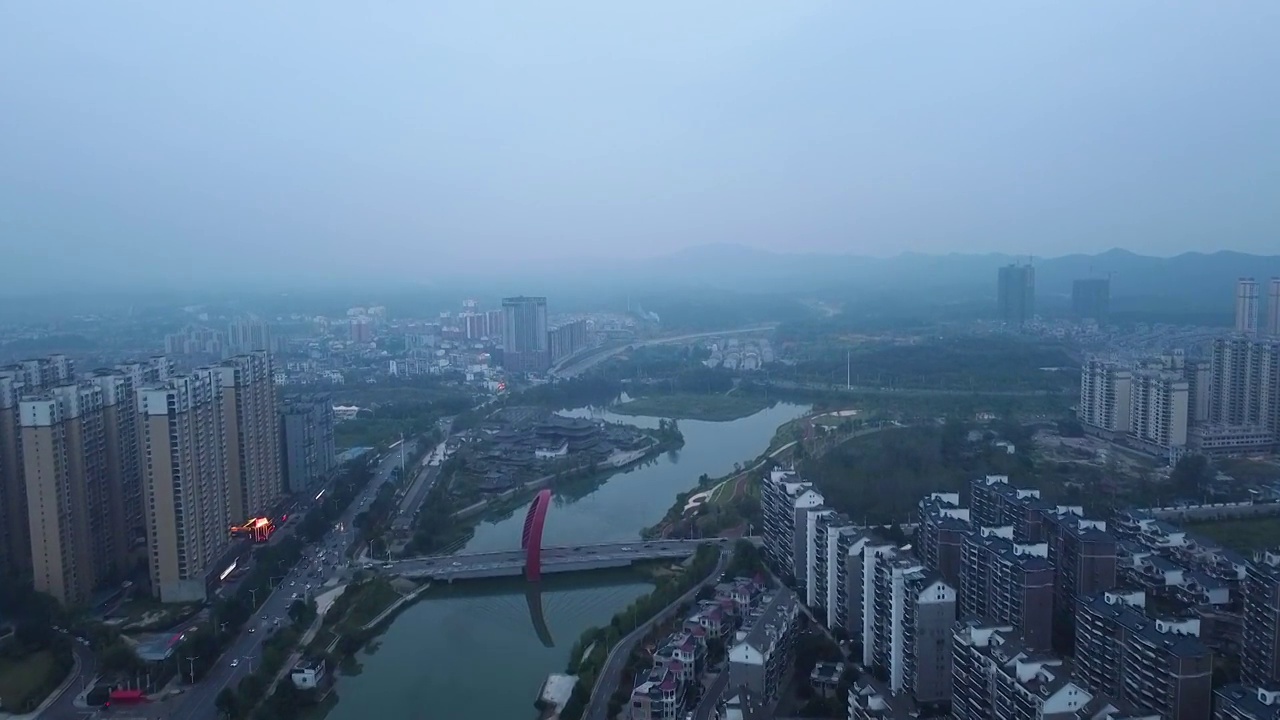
(1191, 277)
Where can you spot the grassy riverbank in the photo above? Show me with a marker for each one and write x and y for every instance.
(716, 407)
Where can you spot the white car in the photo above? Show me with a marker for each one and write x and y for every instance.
(457, 564)
(235, 663)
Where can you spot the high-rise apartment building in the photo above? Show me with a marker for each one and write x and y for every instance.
(1016, 294)
(994, 503)
(524, 334)
(1091, 298)
(785, 502)
(566, 339)
(1105, 397)
(250, 411)
(25, 377)
(66, 477)
(1159, 410)
(834, 573)
(123, 496)
(1158, 665)
(184, 442)
(247, 335)
(306, 438)
(1238, 702)
(1199, 377)
(1244, 382)
(1247, 306)
(943, 527)
(996, 675)
(914, 611)
(970, 689)
(1010, 583)
(1083, 556)
(1260, 596)
(1273, 308)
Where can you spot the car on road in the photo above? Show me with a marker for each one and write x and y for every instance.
(626, 549)
(252, 629)
(235, 662)
(456, 563)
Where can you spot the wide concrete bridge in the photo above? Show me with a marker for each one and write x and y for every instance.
(556, 559)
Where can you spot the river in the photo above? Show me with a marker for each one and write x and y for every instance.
(471, 651)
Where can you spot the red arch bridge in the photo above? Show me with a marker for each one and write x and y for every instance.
(533, 560)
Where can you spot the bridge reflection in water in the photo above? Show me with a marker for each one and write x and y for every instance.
(533, 598)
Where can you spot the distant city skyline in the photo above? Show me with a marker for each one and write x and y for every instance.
(418, 141)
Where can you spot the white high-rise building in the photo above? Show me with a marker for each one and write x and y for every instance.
(785, 503)
(1159, 409)
(1105, 389)
(1247, 306)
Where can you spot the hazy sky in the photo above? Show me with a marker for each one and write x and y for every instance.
(248, 138)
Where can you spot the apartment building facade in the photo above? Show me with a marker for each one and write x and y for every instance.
(307, 449)
(1156, 664)
(785, 502)
(1260, 597)
(250, 408)
(1105, 390)
(995, 675)
(183, 439)
(66, 478)
(914, 611)
(1008, 582)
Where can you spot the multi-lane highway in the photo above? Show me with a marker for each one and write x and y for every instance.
(554, 559)
(314, 572)
(591, 361)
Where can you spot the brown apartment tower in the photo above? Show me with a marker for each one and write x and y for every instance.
(184, 482)
(26, 377)
(65, 472)
(251, 414)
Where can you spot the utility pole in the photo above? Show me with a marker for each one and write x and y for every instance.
(848, 370)
(192, 660)
(253, 598)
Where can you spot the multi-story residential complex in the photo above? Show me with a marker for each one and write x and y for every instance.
(249, 407)
(306, 438)
(25, 377)
(199, 341)
(566, 339)
(785, 502)
(65, 473)
(995, 675)
(524, 334)
(1008, 582)
(1158, 665)
(913, 611)
(834, 567)
(184, 477)
(1016, 294)
(1091, 298)
(763, 648)
(1260, 594)
(249, 335)
(1247, 306)
(943, 527)
(1199, 377)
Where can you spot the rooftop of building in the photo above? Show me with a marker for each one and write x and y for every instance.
(1256, 703)
(768, 621)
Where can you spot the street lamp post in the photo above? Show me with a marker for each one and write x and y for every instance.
(253, 598)
(192, 665)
